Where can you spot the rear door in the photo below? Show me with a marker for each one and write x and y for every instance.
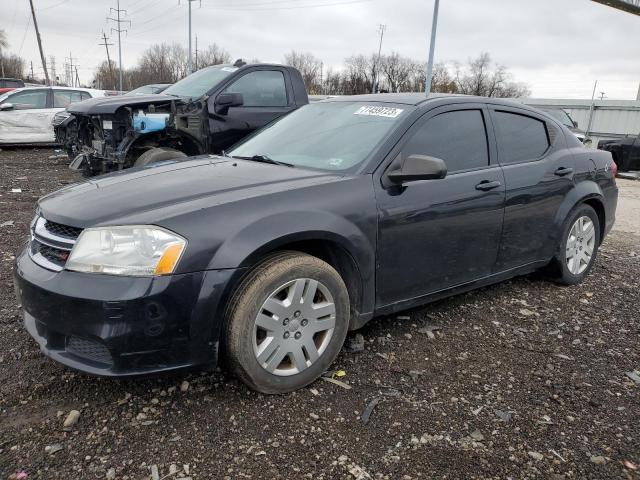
(266, 95)
(29, 120)
(538, 172)
(437, 234)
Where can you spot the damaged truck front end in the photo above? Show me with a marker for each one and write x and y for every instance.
(101, 140)
(206, 112)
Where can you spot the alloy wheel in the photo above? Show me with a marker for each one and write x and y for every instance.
(580, 245)
(294, 326)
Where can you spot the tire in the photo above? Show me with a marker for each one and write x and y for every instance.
(564, 270)
(266, 350)
(159, 154)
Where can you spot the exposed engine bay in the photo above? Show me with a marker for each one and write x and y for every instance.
(107, 142)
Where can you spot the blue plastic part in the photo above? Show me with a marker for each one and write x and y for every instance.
(150, 122)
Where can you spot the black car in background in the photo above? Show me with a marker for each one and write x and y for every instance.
(342, 211)
(149, 89)
(206, 112)
(625, 151)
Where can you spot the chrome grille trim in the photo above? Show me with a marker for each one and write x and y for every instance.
(57, 237)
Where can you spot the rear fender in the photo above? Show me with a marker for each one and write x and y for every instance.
(582, 192)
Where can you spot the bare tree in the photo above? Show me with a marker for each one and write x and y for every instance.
(482, 78)
(309, 66)
(397, 72)
(3, 44)
(213, 55)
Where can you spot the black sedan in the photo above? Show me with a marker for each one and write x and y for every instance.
(342, 211)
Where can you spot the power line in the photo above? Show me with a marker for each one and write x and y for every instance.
(106, 46)
(119, 22)
(381, 29)
(35, 25)
(189, 64)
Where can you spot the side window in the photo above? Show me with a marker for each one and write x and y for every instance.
(84, 96)
(28, 99)
(458, 137)
(63, 98)
(520, 137)
(263, 88)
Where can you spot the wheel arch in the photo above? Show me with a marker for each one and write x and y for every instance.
(327, 246)
(588, 193)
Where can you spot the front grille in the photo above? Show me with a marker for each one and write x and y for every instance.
(62, 230)
(51, 243)
(57, 256)
(89, 349)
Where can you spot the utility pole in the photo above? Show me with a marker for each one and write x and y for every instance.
(196, 53)
(77, 77)
(189, 64)
(602, 95)
(35, 25)
(31, 70)
(54, 77)
(593, 96)
(119, 30)
(638, 96)
(69, 72)
(374, 87)
(432, 47)
(106, 46)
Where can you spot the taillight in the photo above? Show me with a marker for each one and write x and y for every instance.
(614, 169)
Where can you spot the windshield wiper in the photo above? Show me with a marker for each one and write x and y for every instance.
(264, 159)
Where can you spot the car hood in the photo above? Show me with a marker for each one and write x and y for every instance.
(150, 194)
(106, 105)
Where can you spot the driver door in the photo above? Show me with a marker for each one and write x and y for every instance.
(264, 93)
(29, 118)
(438, 234)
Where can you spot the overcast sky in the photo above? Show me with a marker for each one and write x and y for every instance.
(557, 47)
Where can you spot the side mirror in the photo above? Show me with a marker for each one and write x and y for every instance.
(6, 106)
(224, 101)
(416, 167)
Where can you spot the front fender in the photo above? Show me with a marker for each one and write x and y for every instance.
(270, 233)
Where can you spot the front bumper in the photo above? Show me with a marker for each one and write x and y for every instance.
(121, 326)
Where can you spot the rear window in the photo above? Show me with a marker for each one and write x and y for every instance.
(521, 137)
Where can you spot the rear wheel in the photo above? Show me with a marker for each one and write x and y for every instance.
(158, 155)
(286, 322)
(579, 246)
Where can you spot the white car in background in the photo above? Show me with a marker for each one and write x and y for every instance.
(26, 113)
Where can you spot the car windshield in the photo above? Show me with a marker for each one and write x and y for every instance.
(334, 136)
(560, 115)
(143, 90)
(200, 82)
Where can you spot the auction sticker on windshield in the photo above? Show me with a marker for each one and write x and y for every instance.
(372, 110)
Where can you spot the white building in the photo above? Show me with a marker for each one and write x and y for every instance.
(610, 118)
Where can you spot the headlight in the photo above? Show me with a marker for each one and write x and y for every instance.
(133, 250)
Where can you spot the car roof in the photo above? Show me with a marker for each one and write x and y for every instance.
(420, 98)
(82, 89)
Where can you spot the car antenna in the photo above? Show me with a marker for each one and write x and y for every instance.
(239, 63)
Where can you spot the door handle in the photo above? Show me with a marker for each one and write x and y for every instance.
(562, 171)
(488, 185)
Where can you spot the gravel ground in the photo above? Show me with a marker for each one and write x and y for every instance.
(524, 379)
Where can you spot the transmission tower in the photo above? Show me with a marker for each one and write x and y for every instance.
(119, 21)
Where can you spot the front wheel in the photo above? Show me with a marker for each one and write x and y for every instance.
(579, 246)
(158, 154)
(286, 322)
